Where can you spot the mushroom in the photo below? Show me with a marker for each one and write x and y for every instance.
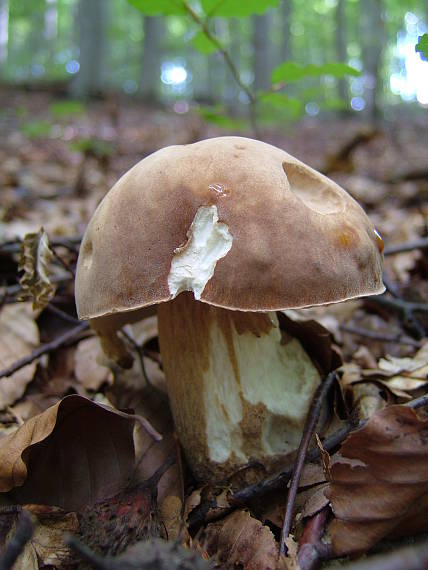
(220, 235)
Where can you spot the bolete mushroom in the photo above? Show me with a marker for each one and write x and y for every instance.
(219, 235)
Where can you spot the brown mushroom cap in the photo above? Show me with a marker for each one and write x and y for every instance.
(298, 238)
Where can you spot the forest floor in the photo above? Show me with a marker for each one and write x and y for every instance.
(60, 397)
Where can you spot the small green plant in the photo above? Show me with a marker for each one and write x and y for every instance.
(68, 108)
(36, 129)
(93, 147)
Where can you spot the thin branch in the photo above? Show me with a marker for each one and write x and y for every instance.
(203, 513)
(308, 432)
(421, 243)
(366, 333)
(229, 62)
(45, 349)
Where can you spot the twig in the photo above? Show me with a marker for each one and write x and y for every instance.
(308, 431)
(421, 243)
(44, 349)
(406, 309)
(14, 246)
(366, 333)
(15, 546)
(229, 62)
(61, 314)
(311, 549)
(413, 557)
(202, 514)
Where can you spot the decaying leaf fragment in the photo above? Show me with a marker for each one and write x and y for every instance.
(379, 483)
(35, 260)
(19, 335)
(243, 541)
(73, 454)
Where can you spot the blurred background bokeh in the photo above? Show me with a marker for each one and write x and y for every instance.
(97, 47)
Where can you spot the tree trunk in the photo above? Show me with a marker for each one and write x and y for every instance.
(151, 62)
(91, 24)
(285, 30)
(232, 89)
(4, 30)
(262, 62)
(342, 85)
(372, 41)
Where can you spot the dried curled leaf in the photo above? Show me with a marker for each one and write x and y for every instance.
(379, 485)
(73, 454)
(35, 261)
(243, 541)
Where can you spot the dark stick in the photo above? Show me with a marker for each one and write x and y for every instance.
(15, 546)
(421, 243)
(44, 349)
(398, 338)
(308, 432)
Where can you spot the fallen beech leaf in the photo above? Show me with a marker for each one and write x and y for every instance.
(379, 482)
(73, 454)
(87, 369)
(243, 541)
(19, 336)
(407, 373)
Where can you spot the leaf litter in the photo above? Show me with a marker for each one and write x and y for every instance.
(376, 483)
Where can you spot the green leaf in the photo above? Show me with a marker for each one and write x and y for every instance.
(291, 71)
(422, 46)
(288, 71)
(159, 7)
(281, 101)
(67, 108)
(338, 70)
(216, 116)
(236, 8)
(203, 44)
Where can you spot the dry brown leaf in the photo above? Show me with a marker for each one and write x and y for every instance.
(243, 541)
(87, 369)
(380, 485)
(73, 454)
(19, 336)
(35, 260)
(46, 547)
(407, 373)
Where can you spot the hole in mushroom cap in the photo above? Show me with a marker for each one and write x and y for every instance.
(316, 192)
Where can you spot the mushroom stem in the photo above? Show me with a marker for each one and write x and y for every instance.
(239, 387)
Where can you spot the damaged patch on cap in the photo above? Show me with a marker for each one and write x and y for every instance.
(193, 264)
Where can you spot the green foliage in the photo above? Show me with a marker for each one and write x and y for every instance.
(217, 115)
(159, 7)
(36, 129)
(291, 71)
(280, 101)
(69, 108)
(237, 8)
(203, 44)
(422, 46)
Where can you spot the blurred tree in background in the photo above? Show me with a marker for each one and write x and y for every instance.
(285, 57)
